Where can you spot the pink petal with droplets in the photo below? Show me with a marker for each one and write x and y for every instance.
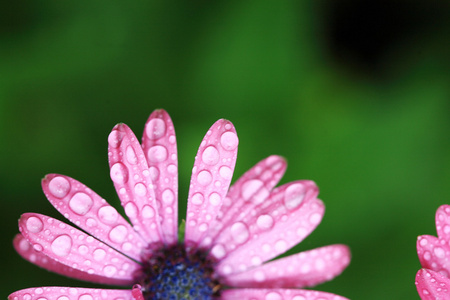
(24, 248)
(291, 213)
(432, 285)
(434, 253)
(304, 269)
(84, 208)
(136, 292)
(443, 222)
(159, 134)
(277, 294)
(69, 293)
(131, 176)
(211, 177)
(74, 248)
(250, 190)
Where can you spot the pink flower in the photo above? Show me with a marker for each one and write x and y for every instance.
(230, 233)
(432, 281)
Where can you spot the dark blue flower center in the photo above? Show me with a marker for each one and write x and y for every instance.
(173, 273)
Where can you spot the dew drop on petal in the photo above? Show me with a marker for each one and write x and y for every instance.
(167, 196)
(59, 187)
(203, 227)
(439, 252)
(114, 139)
(148, 212)
(172, 169)
(315, 218)
(118, 234)
(264, 222)
(204, 177)
(99, 254)
(131, 209)
(280, 246)
(119, 173)
(109, 270)
(140, 189)
(218, 251)
(215, 199)
(259, 276)
(197, 199)
(210, 156)
(273, 296)
(293, 196)
(157, 153)
(80, 203)
(62, 245)
(108, 214)
(155, 129)
(34, 224)
(239, 232)
(225, 172)
(131, 155)
(229, 140)
(154, 173)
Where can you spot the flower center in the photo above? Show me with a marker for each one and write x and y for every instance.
(173, 273)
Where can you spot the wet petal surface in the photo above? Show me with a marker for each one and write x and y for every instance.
(277, 294)
(131, 176)
(84, 208)
(71, 247)
(434, 254)
(432, 285)
(69, 293)
(211, 177)
(443, 222)
(160, 149)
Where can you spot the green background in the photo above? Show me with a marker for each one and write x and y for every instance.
(362, 109)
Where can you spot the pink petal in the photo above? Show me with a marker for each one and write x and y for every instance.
(250, 190)
(91, 213)
(25, 250)
(69, 293)
(434, 253)
(74, 248)
(211, 177)
(443, 222)
(136, 292)
(277, 294)
(304, 269)
(291, 213)
(159, 134)
(131, 176)
(432, 285)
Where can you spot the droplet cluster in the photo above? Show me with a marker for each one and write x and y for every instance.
(69, 293)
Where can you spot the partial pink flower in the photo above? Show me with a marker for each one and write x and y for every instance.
(432, 281)
(231, 233)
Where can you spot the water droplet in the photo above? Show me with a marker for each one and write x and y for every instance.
(172, 169)
(280, 246)
(59, 187)
(439, 252)
(264, 222)
(38, 247)
(293, 196)
(255, 190)
(204, 177)
(119, 173)
(157, 153)
(259, 276)
(167, 196)
(80, 203)
(239, 232)
(148, 212)
(229, 140)
(225, 172)
(197, 199)
(140, 189)
(154, 173)
(218, 251)
(273, 296)
(131, 155)
(109, 270)
(256, 261)
(118, 234)
(108, 214)
(210, 156)
(34, 224)
(215, 199)
(203, 227)
(114, 139)
(155, 129)
(99, 254)
(131, 210)
(83, 249)
(315, 218)
(62, 245)
(86, 297)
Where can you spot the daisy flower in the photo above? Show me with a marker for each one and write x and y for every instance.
(432, 281)
(231, 233)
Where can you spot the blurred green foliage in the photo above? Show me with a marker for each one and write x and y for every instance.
(377, 143)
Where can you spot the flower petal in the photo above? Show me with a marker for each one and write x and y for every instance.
(159, 134)
(74, 248)
(69, 293)
(304, 269)
(432, 285)
(443, 222)
(24, 248)
(250, 190)
(434, 253)
(291, 213)
(132, 180)
(211, 177)
(277, 294)
(84, 208)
